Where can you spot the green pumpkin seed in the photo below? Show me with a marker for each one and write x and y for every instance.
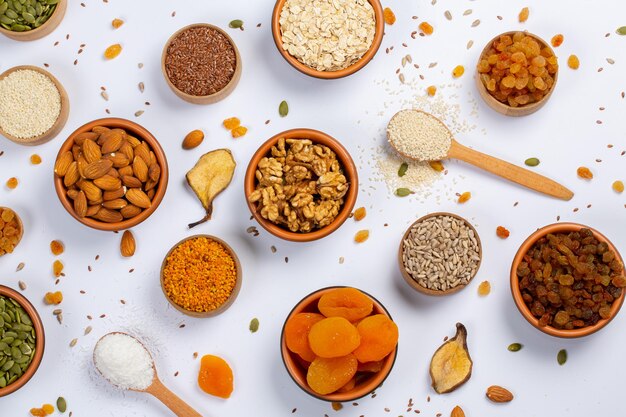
(236, 24)
(254, 325)
(283, 109)
(403, 192)
(6, 20)
(3, 8)
(8, 365)
(532, 162)
(3, 382)
(38, 9)
(561, 357)
(19, 28)
(621, 30)
(61, 405)
(515, 347)
(51, 2)
(402, 170)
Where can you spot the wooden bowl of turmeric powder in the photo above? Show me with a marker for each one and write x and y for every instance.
(201, 276)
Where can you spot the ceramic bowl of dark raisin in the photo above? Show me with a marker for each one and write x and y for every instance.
(568, 280)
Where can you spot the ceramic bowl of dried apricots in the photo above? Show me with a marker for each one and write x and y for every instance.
(11, 230)
(516, 73)
(568, 280)
(339, 344)
(301, 185)
(111, 174)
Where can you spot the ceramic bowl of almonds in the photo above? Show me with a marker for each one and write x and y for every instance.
(31, 19)
(111, 174)
(22, 340)
(568, 280)
(301, 185)
(303, 35)
(339, 344)
(439, 254)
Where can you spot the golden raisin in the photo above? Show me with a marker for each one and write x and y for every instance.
(117, 23)
(618, 187)
(584, 173)
(484, 288)
(337, 406)
(12, 183)
(557, 40)
(56, 247)
(463, 198)
(57, 268)
(53, 297)
(47, 408)
(238, 132)
(426, 28)
(436, 165)
(389, 15)
(458, 71)
(359, 214)
(431, 90)
(113, 51)
(573, 62)
(35, 159)
(361, 236)
(502, 232)
(37, 412)
(231, 123)
(523, 14)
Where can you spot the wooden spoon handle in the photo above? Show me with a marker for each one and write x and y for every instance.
(509, 171)
(171, 400)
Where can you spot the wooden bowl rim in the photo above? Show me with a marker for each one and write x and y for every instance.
(517, 296)
(414, 284)
(362, 389)
(501, 107)
(20, 224)
(211, 98)
(40, 341)
(327, 75)
(58, 124)
(45, 29)
(233, 294)
(349, 168)
(143, 134)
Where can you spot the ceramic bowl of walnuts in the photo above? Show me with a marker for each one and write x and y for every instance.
(301, 185)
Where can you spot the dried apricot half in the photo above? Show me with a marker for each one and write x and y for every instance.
(349, 303)
(215, 377)
(297, 334)
(333, 337)
(327, 375)
(379, 336)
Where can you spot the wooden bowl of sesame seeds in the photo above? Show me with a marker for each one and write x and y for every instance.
(35, 108)
(44, 30)
(201, 276)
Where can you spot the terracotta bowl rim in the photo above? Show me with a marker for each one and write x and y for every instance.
(503, 107)
(360, 390)
(40, 342)
(233, 294)
(412, 283)
(349, 168)
(362, 62)
(517, 296)
(141, 133)
(61, 6)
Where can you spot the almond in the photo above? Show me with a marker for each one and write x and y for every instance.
(112, 195)
(114, 173)
(457, 412)
(130, 211)
(76, 151)
(497, 394)
(72, 175)
(134, 142)
(91, 151)
(131, 182)
(112, 140)
(150, 194)
(92, 210)
(108, 183)
(81, 137)
(82, 163)
(116, 204)
(100, 129)
(97, 169)
(63, 163)
(80, 204)
(92, 192)
(143, 152)
(72, 193)
(127, 170)
(119, 159)
(127, 245)
(193, 139)
(152, 160)
(150, 185)
(127, 150)
(108, 216)
(138, 198)
(140, 169)
(154, 172)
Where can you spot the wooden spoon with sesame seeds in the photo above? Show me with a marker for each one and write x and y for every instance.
(421, 136)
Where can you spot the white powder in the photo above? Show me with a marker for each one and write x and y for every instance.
(124, 361)
(30, 104)
(419, 135)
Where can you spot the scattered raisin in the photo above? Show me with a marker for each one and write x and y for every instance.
(502, 232)
(557, 40)
(458, 71)
(618, 187)
(238, 132)
(523, 14)
(584, 173)
(57, 268)
(12, 183)
(53, 298)
(113, 51)
(35, 159)
(463, 198)
(359, 214)
(389, 15)
(431, 90)
(57, 247)
(426, 28)
(47, 408)
(117, 23)
(573, 62)
(484, 288)
(231, 123)
(361, 236)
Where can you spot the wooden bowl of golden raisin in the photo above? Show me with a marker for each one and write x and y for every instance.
(516, 73)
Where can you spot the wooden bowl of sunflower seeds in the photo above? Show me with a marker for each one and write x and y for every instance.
(439, 254)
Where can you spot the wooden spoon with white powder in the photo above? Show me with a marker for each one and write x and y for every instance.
(421, 136)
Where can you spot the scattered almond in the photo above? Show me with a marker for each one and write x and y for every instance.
(457, 412)
(127, 245)
(193, 139)
(497, 394)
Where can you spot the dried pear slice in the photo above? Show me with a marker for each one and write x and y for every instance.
(209, 177)
(451, 365)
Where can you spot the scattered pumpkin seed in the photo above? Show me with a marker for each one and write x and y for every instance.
(532, 162)
(61, 405)
(402, 170)
(283, 109)
(621, 30)
(254, 325)
(236, 24)
(515, 347)
(561, 357)
(403, 192)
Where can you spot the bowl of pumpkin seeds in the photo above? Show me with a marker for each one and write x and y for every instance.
(28, 20)
(21, 340)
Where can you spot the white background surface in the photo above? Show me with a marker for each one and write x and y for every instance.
(564, 135)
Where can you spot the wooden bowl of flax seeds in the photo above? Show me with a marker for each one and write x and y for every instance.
(440, 254)
(201, 63)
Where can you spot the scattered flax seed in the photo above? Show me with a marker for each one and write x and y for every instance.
(102, 316)
(286, 259)
(56, 43)
(76, 62)
(182, 326)
(195, 355)
(22, 285)
(174, 13)
(499, 17)
(337, 406)
(293, 411)
(273, 249)
(20, 266)
(123, 302)
(267, 122)
(46, 65)
(89, 318)
(67, 37)
(176, 373)
(89, 268)
(575, 210)
(83, 292)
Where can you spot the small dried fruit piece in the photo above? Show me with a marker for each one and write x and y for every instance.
(297, 334)
(379, 337)
(463, 198)
(12, 183)
(359, 214)
(457, 412)
(431, 90)
(426, 28)
(193, 139)
(238, 132)
(117, 23)
(333, 337)
(348, 303)
(573, 62)
(557, 40)
(523, 14)
(57, 268)
(215, 376)
(127, 244)
(326, 375)
(113, 51)
(47, 408)
(231, 123)
(35, 159)
(458, 71)
(584, 173)
(37, 412)
(497, 394)
(56, 247)
(389, 15)
(53, 298)
(361, 236)
(502, 232)
(451, 365)
(618, 186)
(484, 288)
(436, 165)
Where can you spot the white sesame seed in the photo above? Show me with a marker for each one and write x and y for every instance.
(419, 135)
